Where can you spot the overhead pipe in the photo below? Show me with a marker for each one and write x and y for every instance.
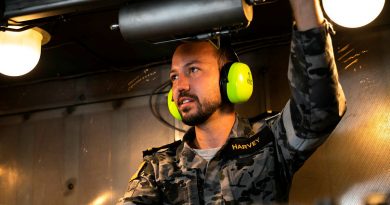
(157, 19)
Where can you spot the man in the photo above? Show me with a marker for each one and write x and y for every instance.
(224, 159)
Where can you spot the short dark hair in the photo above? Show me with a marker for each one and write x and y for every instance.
(227, 54)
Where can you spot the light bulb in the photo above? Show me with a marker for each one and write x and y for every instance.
(20, 51)
(353, 13)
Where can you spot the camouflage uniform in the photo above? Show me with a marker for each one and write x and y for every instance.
(257, 163)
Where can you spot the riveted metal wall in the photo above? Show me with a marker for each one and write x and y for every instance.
(82, 152)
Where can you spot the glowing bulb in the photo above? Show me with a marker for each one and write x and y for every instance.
(353, 13)
(20, 51)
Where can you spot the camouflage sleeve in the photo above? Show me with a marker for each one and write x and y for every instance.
(317, 102)
(141, 188)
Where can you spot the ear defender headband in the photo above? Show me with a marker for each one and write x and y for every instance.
(236, 86)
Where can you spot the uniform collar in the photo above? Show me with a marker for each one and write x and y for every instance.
(241, 128)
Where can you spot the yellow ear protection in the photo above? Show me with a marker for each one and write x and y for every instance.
(172, 106)
(236, 82)
(236, 85)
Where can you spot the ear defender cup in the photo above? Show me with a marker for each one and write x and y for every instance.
(172, 106)
(236, 82)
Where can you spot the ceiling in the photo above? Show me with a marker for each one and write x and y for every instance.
(82, 42)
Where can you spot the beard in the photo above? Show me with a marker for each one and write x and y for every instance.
(204, 111)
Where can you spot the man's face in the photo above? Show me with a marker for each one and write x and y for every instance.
(195, 78)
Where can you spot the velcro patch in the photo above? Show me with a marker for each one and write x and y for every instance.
(237, 146)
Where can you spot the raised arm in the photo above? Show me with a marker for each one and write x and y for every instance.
(317, 100)
(307, 14)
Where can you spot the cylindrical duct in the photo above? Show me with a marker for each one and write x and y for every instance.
(157, 19)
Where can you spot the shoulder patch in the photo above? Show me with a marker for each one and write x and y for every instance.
(136, 174)
(153, 150)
